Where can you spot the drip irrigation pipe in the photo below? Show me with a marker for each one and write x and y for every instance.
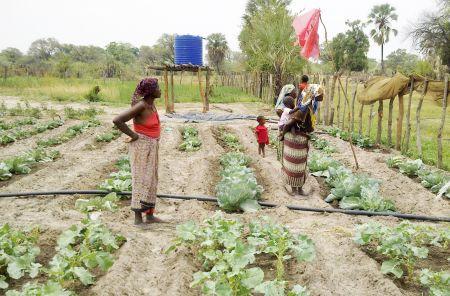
(212, 199)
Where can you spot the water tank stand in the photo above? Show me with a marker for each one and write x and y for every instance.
(204, 92)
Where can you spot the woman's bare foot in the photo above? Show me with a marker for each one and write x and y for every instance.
(138, 218)
(289, 190)
(301, 193)
(150, 219)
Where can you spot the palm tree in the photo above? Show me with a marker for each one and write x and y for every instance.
(217, 49)
(381, 17)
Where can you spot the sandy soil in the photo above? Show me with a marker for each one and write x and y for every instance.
(142, 268)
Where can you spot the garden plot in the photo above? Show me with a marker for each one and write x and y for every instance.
(341, 267)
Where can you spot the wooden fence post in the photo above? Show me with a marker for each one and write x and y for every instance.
(419, 108)
(172, 94)
(369, 130)
(260, 90)
(333, 88)
(352, 120)
(338, 109)
(398, 142)
(441, 127)
(380, 121)
(200, 87)
(389, 130)
(408, 117)
(360, 119)
(166, 91)
(207, 89)
(324, 111)
(271, 93)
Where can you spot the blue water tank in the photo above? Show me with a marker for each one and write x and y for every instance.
(188, 50)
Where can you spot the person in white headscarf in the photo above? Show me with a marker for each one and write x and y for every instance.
(287, 90)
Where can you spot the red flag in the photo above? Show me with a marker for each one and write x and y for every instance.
(306, 27)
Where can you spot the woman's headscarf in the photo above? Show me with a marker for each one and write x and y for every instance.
(145, 87)
(287, 89)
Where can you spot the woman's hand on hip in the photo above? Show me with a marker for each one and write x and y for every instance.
(132, 139)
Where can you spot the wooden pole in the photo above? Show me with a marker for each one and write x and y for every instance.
(324, 111)
(441, 127)
(408, 117)
(419, 108)
(361, 109)
(380, 121)
(199, 72)
(166, 91)
(389, 131)
(172, 94)
(398, 142)
(350, 133)
(326, 115)
(369, 130)
(208, 74)
(351, 119)
(333, 88)
(271, 94)
(338, 108)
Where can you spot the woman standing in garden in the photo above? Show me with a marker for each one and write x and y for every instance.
(144, 143)
(296, 137)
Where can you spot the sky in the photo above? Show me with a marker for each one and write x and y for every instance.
(141, 22)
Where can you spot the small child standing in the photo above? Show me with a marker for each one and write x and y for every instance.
(262, 135)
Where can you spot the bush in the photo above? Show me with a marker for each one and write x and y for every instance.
(93, 95)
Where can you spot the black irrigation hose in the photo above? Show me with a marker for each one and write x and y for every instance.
(212, 199)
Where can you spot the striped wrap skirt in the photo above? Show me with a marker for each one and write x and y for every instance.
(295, 155)
(144, 173)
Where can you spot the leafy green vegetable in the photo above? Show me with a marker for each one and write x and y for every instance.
(437, 282)
(37, 289)
(352, 191)
(402, 245)
(4, 171)
(82, 114)
(411, 167)
(18, 252)
(69, 133)
(82, 248)
(99, 203)
(108, 136)
(394, 161)
(238, 189)
(228, 253)
(234, 159)
(319, 164)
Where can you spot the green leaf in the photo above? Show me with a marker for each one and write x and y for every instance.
(250, 205)
(252, 277)
(298, 290)
(272, 288)
(223, 289)
(105, 260)
(304, 249)
(15, 270)
(392, 266)
(3, 283)
(84, 275)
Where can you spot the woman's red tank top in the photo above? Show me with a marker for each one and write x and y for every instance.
(151, 127)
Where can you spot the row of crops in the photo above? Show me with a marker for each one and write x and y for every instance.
(25, 162)
(84, 249)
(231, 255)
(238, 188)
(350, 190)
(434, 180)
(357, 139)
(404, 250)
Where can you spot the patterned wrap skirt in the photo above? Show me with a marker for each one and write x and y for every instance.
(295, 155)
(144, 173)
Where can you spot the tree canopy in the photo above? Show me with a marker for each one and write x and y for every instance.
(267, 39)
(348, 51)
(217, 47)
